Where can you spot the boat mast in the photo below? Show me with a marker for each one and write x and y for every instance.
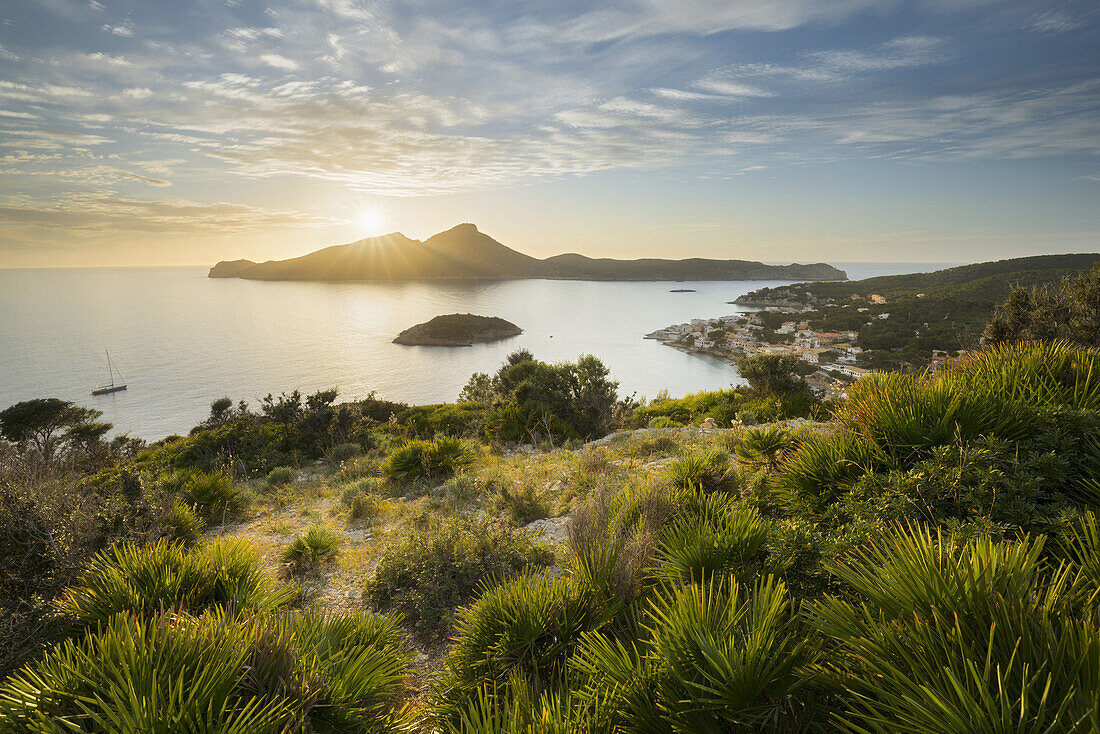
(110, 368)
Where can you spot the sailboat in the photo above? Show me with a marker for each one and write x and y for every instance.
(112, 387)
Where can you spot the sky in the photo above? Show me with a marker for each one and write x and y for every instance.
(170, 133)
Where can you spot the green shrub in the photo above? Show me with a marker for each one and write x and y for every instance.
(459, 420)
(613, 536)
(318, 546)
(281, 476)
(892, 421)
(246, 443)
(521, 632)
(431, 572)
(715, 657)
(145, 579)
(724, 539)
(523, 504)
(1081, 547)
(363, 498)
(344, 451)
(214, 496)
(459, 491)
(721, 405)
(764, 447)
(438, 458)
(949, 636)
(361, 467)
(182, 524)
(215, 673)
(704, 472)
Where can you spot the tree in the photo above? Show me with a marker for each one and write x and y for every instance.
(284, 409)
(1069, 310)
(772, 374)
(568, 397)
(45, 424)
(479, 389)
(220, 410)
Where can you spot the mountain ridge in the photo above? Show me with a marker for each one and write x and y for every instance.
(464, 252)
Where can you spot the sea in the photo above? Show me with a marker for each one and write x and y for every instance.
(181, 340)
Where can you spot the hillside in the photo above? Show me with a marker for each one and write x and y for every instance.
(917, 313)
(464, 252)
(375, 566)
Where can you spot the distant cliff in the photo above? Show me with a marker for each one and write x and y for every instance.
(464, 252)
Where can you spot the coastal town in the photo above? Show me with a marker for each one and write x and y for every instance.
(784, 328)
(775, 330)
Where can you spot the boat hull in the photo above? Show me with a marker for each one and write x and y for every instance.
(105, 390)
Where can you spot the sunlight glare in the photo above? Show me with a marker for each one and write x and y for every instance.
(370, 221)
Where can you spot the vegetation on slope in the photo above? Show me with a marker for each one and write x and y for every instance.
(926, 561)
(943, 310)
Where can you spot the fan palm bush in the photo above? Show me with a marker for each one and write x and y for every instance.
(520, 632)
(891, 421)
(513, 709)
(133, 675)
(214, 496)
(1081, 547)
(704, 472)
(182, 524)
(438, 458)
(215, 673)
(764, 447)
(1055, 373)
(319, 545)
(142, 580)
(722, 539)
(716, 657)
(281, 476)
(951, 636)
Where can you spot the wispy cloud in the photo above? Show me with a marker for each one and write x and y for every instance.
(103, 211)
(386, 98)
(279, 62)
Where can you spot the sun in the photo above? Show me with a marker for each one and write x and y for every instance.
(370, 221)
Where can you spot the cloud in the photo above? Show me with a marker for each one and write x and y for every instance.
(899, 53)
(1054, 21)
(730, 88)
(109, 59)
(643, 18)
(279, 62)
(389, 99)
(106, 212)
(123, 30)
(92, 175)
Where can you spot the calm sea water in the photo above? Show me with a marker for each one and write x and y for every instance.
(181, 339)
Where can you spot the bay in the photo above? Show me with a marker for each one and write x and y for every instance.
(181, 339)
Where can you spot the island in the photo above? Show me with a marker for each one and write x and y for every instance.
(463, 252)
(458, 330)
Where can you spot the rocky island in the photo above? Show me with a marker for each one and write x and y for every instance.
(464, 253)
(458, 330)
